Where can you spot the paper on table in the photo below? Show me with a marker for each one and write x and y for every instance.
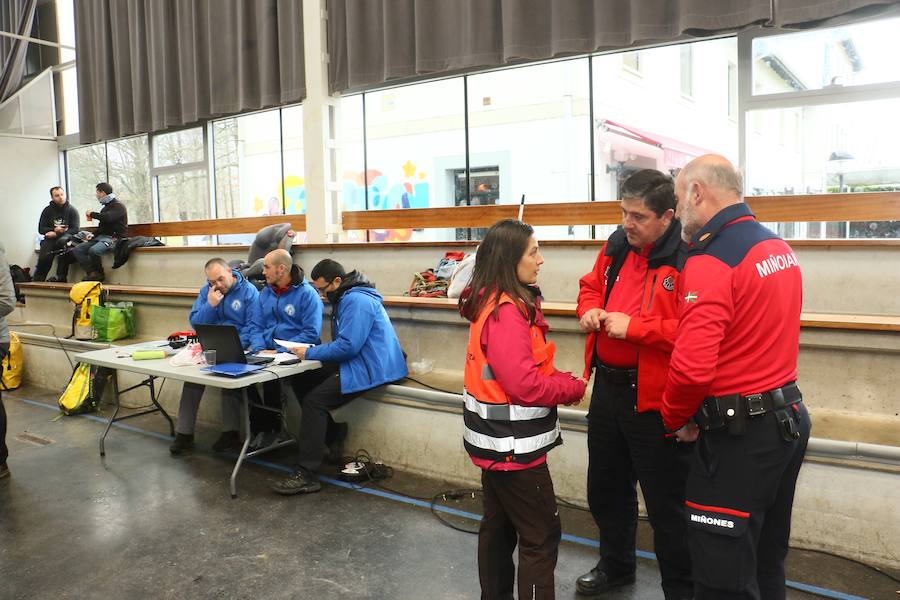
(289, 344)
(284, 357)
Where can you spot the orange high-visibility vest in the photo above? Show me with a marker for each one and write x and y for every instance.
(495, 428)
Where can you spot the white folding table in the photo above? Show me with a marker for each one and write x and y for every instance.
(118, 358)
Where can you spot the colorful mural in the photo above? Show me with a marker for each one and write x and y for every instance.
(412, 192)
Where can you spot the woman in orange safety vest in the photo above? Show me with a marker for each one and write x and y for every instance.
(511, 393)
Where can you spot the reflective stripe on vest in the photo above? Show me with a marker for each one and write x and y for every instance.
(512, 445)
(503, 412)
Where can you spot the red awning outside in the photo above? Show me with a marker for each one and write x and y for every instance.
(676, 154)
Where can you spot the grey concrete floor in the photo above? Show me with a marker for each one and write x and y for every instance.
(143, 524)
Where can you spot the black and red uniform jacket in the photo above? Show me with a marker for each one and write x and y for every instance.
(739, 328)
(653, 329)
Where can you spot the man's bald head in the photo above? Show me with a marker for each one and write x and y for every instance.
(705, 186)
(716, 172)
(277, 268)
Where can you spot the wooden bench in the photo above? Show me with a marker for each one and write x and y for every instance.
(808, 320)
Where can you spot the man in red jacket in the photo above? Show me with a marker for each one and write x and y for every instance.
(629, 307)
(733, 374)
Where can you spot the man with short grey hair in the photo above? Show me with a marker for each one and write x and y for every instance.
(226, 299)
(733, 381)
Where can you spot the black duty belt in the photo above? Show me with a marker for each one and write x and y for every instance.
(733, 410)
(617, 376)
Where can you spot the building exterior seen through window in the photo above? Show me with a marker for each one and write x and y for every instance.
(563, 131)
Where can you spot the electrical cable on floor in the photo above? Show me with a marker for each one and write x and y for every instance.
(454, 495)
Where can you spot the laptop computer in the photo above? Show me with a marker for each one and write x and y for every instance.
(224, 339)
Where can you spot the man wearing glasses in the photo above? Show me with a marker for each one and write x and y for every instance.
(226, 299)
(364, 353)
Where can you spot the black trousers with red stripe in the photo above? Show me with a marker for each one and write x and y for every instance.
(740, 492)
(519, 508)
(624, 447)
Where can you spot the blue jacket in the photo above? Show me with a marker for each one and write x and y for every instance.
(364, 343)
(234, 309)
(294, 316)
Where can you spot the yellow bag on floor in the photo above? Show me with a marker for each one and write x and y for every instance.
(12, 364)
(85, 389)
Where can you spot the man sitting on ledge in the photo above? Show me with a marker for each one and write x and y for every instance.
(226, 299)
(288, 309)
(113, 226)
(364, 354)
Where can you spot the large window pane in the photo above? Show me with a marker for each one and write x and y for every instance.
(129, 175)
(247, 153)
(294, 185)
(529, 134)
(826, 149)
(353, 191)
(646, 122)
(827, 58)
(415, 146)
(182, 196)
(87, 168)
(178, 148)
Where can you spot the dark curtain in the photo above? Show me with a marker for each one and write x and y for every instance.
(16, 16)
(374, 41)
(148, 65)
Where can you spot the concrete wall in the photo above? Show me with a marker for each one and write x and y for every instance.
(836, 279)
(28, 169)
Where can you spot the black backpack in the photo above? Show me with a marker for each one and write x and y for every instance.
(19, 275)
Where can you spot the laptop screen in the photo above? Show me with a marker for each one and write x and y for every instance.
(224, 339)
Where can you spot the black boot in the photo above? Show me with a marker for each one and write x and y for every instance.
(184, 442)
(598, 582)
(229, 440)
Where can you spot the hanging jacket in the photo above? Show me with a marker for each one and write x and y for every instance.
(295, 315)
(364, 342)
(125, 245)
(55, 215)
(653, 329)
(512, 389)
(236, 308)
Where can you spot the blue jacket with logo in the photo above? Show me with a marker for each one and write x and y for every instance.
(234, 309)
(365, 343)
(295, 316)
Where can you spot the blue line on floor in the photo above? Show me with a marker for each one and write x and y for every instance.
(803, 587)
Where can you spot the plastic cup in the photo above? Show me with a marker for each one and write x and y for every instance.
(209, 358)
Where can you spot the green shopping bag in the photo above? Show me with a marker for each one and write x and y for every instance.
(113, 321)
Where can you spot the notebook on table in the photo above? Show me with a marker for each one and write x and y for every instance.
(232, 369)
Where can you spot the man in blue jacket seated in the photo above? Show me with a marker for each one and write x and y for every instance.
(226, 299)
(288, 309)
(364, 354)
